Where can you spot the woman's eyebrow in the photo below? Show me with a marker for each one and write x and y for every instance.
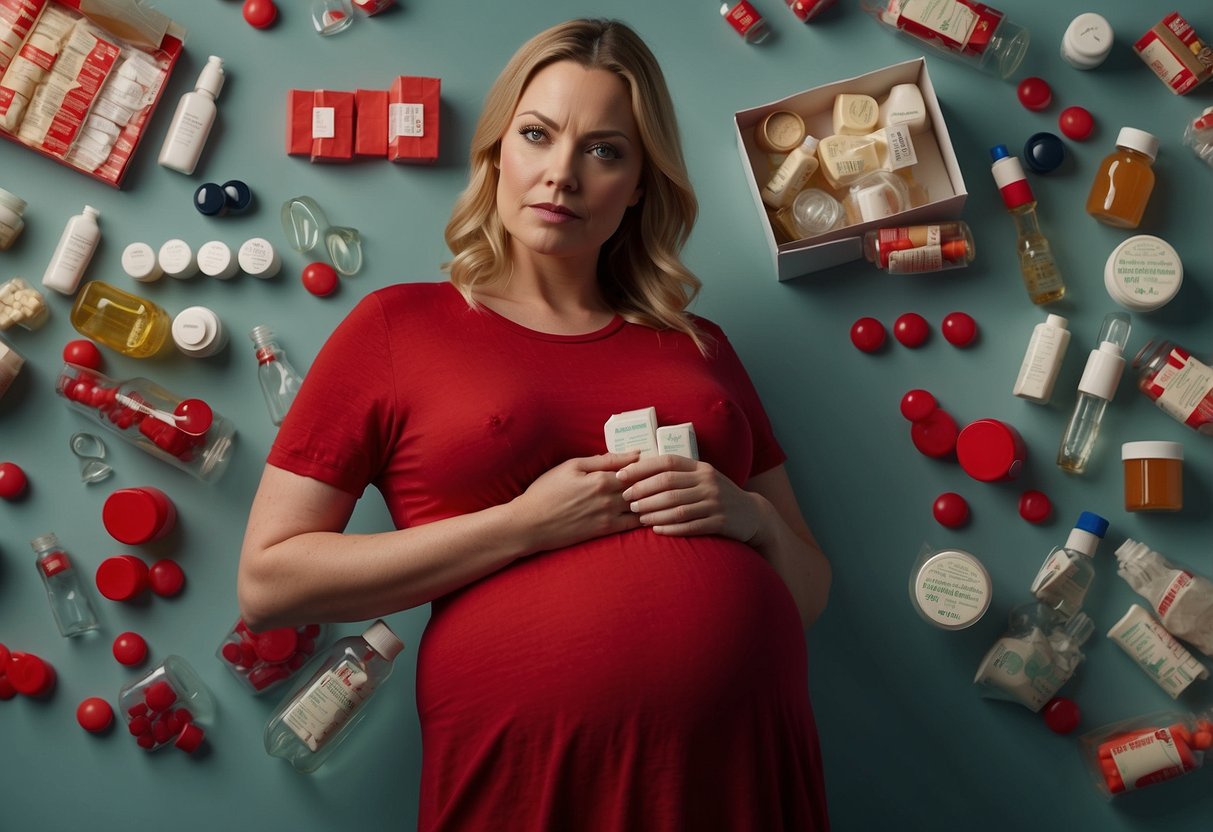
(593, 134)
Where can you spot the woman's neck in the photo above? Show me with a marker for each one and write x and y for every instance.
(549, 295)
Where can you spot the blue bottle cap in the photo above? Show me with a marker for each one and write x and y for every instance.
(239, 195)
(998, 151)
(1091, 522)
(1044, 152)
(210, 200)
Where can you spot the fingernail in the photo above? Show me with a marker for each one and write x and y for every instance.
(635, 506)
(627, 495)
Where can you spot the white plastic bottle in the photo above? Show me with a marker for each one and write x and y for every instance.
(1042, 360)
(315, 718)
(75, 250)
(192, 122)
(1066, 574)
(792, 175)
(1183, 601)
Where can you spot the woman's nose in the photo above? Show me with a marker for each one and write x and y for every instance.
(562, 170)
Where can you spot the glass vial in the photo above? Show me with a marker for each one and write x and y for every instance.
(745, 20)
(331, 16)
(913, 249)
(1065, 576)
(192, 121)
(279, 380)
(1041, 276)
(1181, 386)
(75, 250)
(72, 610)
(1042, 361)
(971, 32)
(127, 323)
(1095, 389)
(1124, 180)
(318, 716)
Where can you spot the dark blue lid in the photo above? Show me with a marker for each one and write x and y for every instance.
(210, 200)
(1091, 522)
(239, 195)
(1043, 152)
(998, 151)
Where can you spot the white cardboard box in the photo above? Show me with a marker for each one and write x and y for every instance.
(937, 167)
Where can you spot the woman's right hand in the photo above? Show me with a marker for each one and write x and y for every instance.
(578, 500)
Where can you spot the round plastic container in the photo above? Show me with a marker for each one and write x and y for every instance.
(951, 588)
(139, 261)
(779, 132)
(165, 706)
(991, 451)
(259, 258)
(1143, 273)
(177, 259)
(815, 212)
(1087, 41)
(1154, 476)
(122, 578)
(138, 515)
(198, 332)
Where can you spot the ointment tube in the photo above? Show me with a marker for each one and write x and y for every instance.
(1156, 651)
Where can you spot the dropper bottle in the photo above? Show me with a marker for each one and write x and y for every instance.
(1095, 389)
(279, 380)
(1041, 276)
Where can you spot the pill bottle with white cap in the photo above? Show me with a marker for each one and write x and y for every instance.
(1125, 180)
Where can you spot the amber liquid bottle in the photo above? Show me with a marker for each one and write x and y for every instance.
(1125, 180)
(122, 321)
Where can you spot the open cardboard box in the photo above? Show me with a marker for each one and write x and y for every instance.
(937, 167)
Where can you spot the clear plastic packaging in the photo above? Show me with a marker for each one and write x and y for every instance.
(1100, 377)
(280, 381)
(915, 249)
(1156, 651)
(1181, 599)
(169, 703)
(331, 16)
(1178, 384)
(815, 212)
(877, 196)
(263, 661)
(1147, 749)
(1065, 576)
(71, 607)
(306, 226)
(186, 433)
(1198, 136)
(318, 716)
(22, 305)
(1037, 654)
(969, 31)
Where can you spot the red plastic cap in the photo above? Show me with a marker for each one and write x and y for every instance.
(121, 578)
(29, 675)
(190, 738)
(990, 450)
(166, 578)
(130, 649)
(12, 481)
(867, 334)
(7, 691)
(138, 515)
(95, 714)
(935, 436)
(1035, 506)
(276, 645)
(951, 510)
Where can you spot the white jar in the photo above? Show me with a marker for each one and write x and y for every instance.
(1087, 41)
(215, 259)
(177, 259)
(1143, 273)
(259, 258)
(12, 207)
(198, 332)
(139, 261)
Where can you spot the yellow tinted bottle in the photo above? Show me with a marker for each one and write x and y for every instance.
(124, 322)
(1125, 180)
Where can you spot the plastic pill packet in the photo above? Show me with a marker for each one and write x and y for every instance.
(1147, 749)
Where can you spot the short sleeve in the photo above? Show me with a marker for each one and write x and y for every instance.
(339, 427)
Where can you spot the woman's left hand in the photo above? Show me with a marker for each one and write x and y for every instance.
(676, 495)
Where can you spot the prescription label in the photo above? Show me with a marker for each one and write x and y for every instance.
(327, 704)
(405, 120)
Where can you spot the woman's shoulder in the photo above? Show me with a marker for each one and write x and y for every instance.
(412, 295)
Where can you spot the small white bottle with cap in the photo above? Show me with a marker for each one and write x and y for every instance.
(139, 261)
(797, 168)
(215, 259)
(258, 258)
(314, 719)
(1087, 41)
(191, 124)
(1042, 361)
(75, 250)
(198, 332)
(177, 259)
(1096, 388)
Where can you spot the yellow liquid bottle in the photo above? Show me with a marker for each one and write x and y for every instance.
(122, 321)
(1125, 179)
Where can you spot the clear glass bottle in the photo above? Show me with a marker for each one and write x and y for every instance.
(319, 715)
(914, 249)
(1066, 574)
(1198, 136)
(186, 433)
(1041, 277)
(71, 607)
(279, 380)
(1095, 389)
(168, 704)
(1181, 386)
(963, 29)
(127, 323)
(1124, 180)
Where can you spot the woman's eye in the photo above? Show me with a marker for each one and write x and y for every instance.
(604, 151)
(533, 134)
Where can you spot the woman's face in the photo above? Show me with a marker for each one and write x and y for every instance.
(570, 161)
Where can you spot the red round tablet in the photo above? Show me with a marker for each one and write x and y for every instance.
(320, 279)
(935, 436)
(159, 695)
(130, 649)
(1076, 123)
(260, 14)
(951, 510)
(82, 352)
(95, 714)
(1061, 715)
(917, 405)
(911, 329)
(7, 691)
(166, 578)
(959, 329)
(276, 645)
(867, 334)
(139, 725)
(12, 480)
(1034, 93)
(1035, 506)
(4, 656)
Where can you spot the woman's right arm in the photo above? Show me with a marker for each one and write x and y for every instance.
(298, 566)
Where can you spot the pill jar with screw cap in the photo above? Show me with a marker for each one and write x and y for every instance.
(1087, 41)
(198, 332)
(1143, 273)
(1154, 476)
(950, 588)
(139, 261)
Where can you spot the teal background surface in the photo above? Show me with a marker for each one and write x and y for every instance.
(908, 742)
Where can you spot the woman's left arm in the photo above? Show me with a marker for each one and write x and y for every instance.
(679, 496)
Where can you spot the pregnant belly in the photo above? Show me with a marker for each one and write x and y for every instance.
(634, 623)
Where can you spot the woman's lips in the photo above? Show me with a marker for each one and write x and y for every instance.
(550, 212)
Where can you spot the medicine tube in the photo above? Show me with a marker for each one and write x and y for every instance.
(1181, 386)
(965, 30)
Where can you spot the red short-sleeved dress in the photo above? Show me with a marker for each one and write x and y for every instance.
(631, 682)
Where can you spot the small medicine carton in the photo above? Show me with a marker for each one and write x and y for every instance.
(320, 125)
(937, 168)
(413, 120)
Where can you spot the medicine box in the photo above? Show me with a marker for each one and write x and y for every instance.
(74, 135)
(937, 168)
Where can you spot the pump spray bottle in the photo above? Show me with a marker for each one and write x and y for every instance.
(1095, 389)
(192, 122)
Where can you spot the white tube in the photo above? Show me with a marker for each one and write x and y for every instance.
(1156, 651)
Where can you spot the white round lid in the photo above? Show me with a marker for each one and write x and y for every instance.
(1057, 321)
(139, 261)
(1143, 273)
(177, 259)
(1153, 449)
(1087, 41)
(383, 640)
(1139, 140)
(259, 258)
(215, 260)
(952, 589)
(12, 201)
(196, 329)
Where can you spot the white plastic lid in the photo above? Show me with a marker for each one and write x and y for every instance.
(259, 258)
(210, 81)
(1143, 273)
(1087, 41)
(1152, 450)
(11, 201)
(139, 261)
(1057, 321)
(10, 217)
(177, 259)
(382, 640)
(215, 260)
(968, 584)
(1139, 140)
(198, 331)
(1103, 371)
(809, 145)
(90, 211)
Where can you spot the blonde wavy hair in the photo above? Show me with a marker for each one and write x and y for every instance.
(639, 268)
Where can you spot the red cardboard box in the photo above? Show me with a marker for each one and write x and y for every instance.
(370, 125)
(413, 120)
(320, 124)
(1179, 58)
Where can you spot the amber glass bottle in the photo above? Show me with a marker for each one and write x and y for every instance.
(1125, 179)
